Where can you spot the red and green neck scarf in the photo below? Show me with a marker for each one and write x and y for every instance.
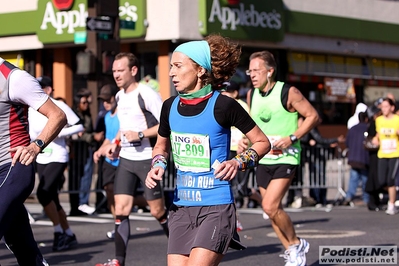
(196, 97)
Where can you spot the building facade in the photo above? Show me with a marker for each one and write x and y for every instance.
(337, 52)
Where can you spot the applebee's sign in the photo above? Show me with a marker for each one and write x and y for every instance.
(231, 17)
(64, 20)
(249, 19)
(61, 20)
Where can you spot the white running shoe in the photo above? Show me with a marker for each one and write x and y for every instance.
(111, 234)
(239, 226)
(86, 209)
(297, 203)
(295, 255)
(391, 210)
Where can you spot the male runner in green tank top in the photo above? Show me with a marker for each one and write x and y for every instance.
(275, 107)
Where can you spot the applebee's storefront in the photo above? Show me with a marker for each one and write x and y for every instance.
(55, 33)
(309, 51)
(335, 61)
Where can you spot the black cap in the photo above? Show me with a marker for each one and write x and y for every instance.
(378, 101)
(107, 92)
(45, 81)
(372, 110)
(233, 86)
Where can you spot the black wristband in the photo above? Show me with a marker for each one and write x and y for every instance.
(293, 139)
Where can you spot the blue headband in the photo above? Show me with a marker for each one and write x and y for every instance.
(198, 51)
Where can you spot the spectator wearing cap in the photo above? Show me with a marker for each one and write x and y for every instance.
(109, 123)
(107, 96)
(47, 85)
(108, 92)
(51, 164)
(87, 142)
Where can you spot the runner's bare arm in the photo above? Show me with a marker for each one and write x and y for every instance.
(297, 102)
(162, 147)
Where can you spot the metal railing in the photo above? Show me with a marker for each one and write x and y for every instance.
(320, 168)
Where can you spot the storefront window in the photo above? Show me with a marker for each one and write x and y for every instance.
(331, 112)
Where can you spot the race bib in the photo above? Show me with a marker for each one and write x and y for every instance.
(388, 145)
(191, 152)
(47, 152)
(125, 143)
(274, 153)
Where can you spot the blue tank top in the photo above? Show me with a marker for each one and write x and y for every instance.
(197, 143)
(111, 130)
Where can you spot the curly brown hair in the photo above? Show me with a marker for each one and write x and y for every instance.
(225, 56)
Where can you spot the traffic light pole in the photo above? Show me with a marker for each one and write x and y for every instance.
(98, 47)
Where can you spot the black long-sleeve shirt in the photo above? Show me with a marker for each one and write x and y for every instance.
(314, 133)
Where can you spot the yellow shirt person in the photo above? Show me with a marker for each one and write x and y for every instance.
(387, 129)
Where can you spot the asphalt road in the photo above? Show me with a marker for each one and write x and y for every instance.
(339, 226)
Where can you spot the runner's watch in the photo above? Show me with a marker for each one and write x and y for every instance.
(40, 143)
(293, 139)
(141, 135)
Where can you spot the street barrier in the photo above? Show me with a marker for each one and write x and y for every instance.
(78, 154)
(321, 168)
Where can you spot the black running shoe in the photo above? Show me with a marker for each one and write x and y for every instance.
(59, 242)
(70, 241)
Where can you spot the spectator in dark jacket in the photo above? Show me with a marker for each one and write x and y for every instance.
(88, 140)
(358, 159)
(373, 187)
(319, 148)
